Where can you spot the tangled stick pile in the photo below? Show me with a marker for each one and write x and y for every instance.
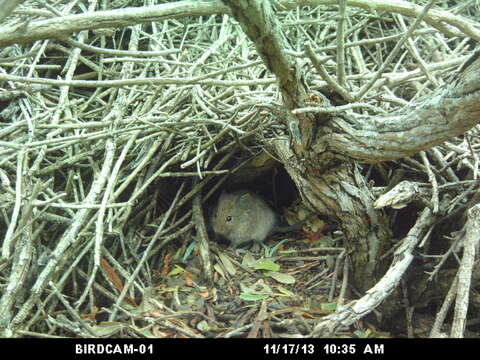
(107, 135)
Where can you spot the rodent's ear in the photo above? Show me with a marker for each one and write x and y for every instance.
(245, 201)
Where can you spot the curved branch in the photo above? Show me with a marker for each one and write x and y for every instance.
(448, 112)
(62, 26)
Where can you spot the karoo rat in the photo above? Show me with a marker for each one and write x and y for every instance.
(242, 216)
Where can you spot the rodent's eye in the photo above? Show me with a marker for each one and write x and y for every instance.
(229, 218)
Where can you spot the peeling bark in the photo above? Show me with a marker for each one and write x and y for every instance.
(343, 197)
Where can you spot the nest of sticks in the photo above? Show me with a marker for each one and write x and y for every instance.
(115, 142)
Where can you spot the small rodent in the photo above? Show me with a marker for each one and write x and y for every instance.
(242, 216)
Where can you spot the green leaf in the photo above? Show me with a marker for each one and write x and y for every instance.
(363, 334)
(203, 326)
(189, 251)
(282, 278)
(176, 270)
(329, 306)
(267, 265)
(251, 297)
(108, 328)
(228, 264)
(258, 288)
(285, 291)
(219, 269)
(248, 260)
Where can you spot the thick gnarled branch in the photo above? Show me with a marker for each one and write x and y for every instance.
(259, 23)
(448, 112)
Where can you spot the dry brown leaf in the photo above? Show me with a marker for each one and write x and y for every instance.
(115, 279)
(187, 278)
(92, 314)
(166, 264)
